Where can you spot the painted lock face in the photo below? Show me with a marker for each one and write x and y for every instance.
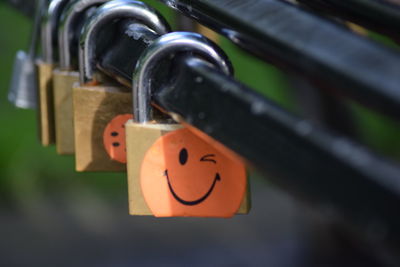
(114, 137)
(182, 175)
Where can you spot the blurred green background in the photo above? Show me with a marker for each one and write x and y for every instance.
(36, 184)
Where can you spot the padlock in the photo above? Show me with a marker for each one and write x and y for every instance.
(100, 110)
(45, 67)
(171, 170)
(67, 73)
(23, 88)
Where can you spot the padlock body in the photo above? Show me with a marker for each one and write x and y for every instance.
(63, 82)
(139, 139)
(94, 108)
(45, 103)
(23, 87)
(142, 140)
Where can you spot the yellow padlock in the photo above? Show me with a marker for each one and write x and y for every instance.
(67, 74)
(45, 67)
(45, 107)
(100, 110)
(171, 170)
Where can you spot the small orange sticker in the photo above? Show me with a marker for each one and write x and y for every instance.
(114, 137)
(182, 175)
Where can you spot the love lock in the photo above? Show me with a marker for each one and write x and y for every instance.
(99, 109)
(67, 73)
(172, 171)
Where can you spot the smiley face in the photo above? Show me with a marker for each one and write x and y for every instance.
(182, 175)
(183, 157)
(114, 137)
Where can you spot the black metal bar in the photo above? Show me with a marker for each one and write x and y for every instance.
(379, 15)
(294, 39)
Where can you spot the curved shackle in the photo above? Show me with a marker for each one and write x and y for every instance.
(71, 13)
(162, 48)
(50, 23)
(116, 9)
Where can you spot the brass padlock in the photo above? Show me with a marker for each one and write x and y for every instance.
(45, 67)
(67, 74)
(100, 110)
(171, 170)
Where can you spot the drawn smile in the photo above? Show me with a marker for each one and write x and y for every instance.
(194, 202)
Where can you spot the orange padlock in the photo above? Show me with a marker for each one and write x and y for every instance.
(172, 171)
(196, 178)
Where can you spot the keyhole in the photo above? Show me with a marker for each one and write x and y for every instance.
(183, 156)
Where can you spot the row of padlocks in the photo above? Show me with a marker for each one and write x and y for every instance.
(172, 170)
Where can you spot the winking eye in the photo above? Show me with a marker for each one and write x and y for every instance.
(208, 157)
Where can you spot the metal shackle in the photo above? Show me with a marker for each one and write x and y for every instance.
(70, 15)
(116, 9)
(162, 48)
(49, 29)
